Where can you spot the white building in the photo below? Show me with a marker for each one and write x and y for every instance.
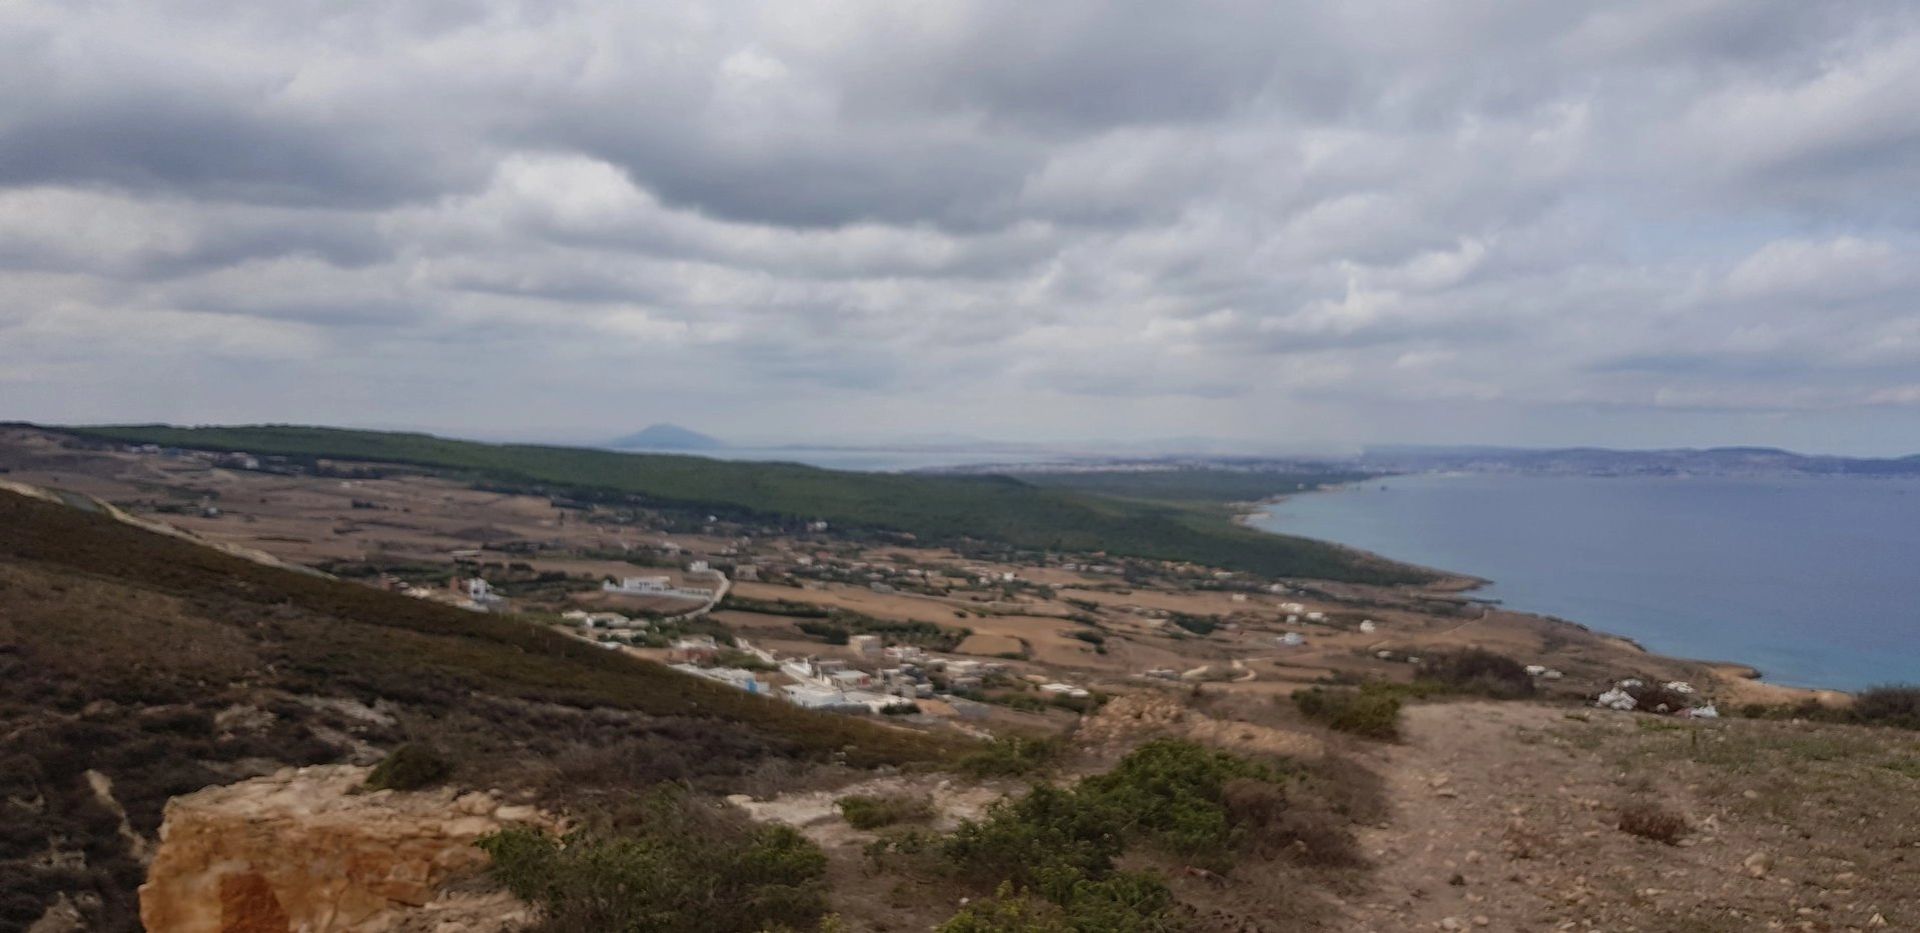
(639, 586)
(737, 677)
(656, 586)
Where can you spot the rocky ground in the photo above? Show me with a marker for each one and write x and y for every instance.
(1506, 817)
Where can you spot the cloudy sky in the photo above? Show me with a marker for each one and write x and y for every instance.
(1299, 225)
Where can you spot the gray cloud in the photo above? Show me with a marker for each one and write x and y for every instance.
(1304, 224)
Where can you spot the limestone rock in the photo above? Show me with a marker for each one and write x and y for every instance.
(298, 851)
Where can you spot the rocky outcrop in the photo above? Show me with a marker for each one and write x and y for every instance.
(302, 852)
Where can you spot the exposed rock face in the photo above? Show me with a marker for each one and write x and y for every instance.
(297, 853)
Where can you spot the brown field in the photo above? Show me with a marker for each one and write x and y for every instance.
(410, 517)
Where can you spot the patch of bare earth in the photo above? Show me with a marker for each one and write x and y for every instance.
(1508, 816)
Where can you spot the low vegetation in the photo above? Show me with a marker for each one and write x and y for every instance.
(1477, 672)
(683, 866)
(130, 653)
(1367, 711)
(839, 626)
(945, 509)
(410, 767)
(1895, 706)
(1653, 821)
(1194, 484)
(1053, 856)
(1010, 756)
(873, 811)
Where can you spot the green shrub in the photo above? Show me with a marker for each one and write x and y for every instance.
(1372, 714)
(1199, 625)
(1480, 672)
(1058, 841)
(409, 767)
(1010, 756)
(682, 869)
(1173, 794)
(1888, 706)
(872, 812)
(825, 631)
(1122, 903)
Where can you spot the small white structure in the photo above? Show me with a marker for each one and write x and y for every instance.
(638, 586)
(481, 594)
(1293, 639)
(737, 677)
(867, 646)
(821, 698)
(656, 586)
(1065, 690)
(698, 566)
(1368, 627)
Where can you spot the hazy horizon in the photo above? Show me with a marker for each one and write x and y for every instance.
(1295, 227)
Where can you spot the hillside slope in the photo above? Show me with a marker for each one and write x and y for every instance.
(152, 667)
(935, 508)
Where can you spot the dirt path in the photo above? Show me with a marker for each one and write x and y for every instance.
(1506, 818)
(1456, 783)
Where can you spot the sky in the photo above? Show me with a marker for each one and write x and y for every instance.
(1293, 226)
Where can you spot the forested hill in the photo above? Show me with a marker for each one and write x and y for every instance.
(934, 508)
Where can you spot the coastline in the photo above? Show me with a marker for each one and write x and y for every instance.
(1731, 682)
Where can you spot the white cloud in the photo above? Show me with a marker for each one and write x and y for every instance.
(774, 213)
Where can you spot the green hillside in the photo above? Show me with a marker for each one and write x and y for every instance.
(166, 666)
(1196, 485)
(935, 508)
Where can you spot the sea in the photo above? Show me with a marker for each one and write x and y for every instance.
(1815, 581)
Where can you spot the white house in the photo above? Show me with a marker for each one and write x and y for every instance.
(638, 585)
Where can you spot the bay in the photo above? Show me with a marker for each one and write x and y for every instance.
(1813, 580)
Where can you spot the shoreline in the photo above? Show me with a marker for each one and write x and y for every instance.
(1742, 683)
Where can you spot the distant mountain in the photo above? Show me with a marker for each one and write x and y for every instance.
(667, 437)
(1596, 461)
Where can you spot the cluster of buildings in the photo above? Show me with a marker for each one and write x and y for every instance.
(890, 679)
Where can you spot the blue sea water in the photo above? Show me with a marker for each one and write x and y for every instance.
(1815, 581)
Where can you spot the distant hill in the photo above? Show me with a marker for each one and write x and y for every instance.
(1599, 461)
(945, 509)
(667, 437)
